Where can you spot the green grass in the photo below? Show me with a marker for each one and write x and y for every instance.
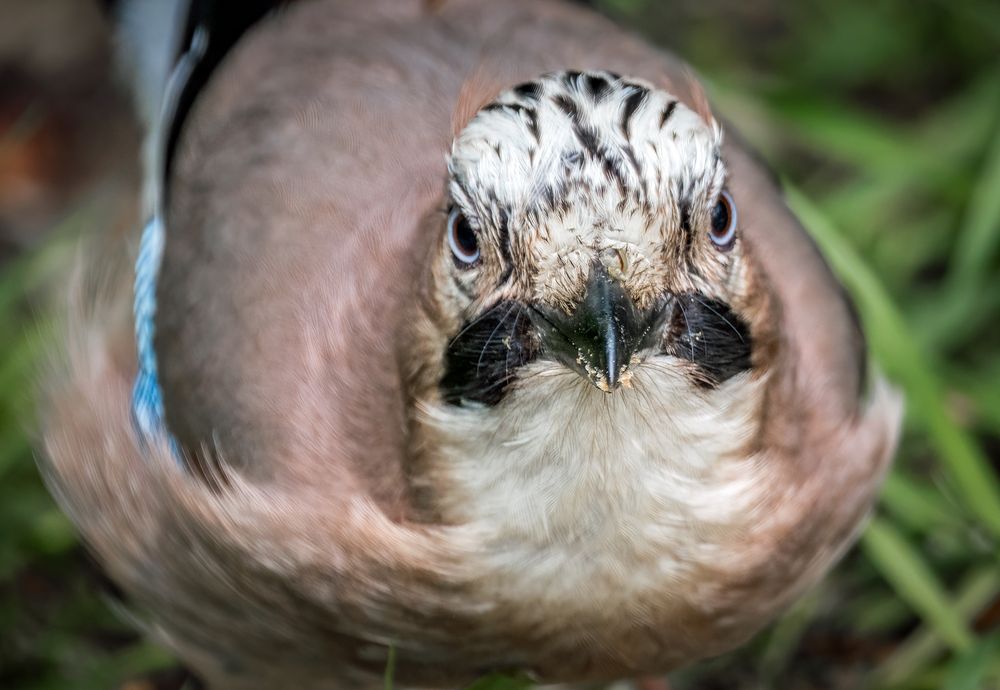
(884, 120)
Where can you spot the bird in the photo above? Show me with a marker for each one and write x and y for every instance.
(467, 339)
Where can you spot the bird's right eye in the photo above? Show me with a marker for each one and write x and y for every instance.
(462, 239)
(723, 222)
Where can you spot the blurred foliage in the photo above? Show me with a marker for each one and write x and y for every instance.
(883, 117)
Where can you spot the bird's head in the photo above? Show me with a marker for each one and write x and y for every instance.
(589, 224)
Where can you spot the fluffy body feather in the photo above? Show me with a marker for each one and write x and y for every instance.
(343, 506)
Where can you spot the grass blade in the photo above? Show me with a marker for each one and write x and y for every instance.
(915, 582)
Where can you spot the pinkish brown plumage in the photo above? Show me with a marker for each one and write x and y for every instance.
(354, 482)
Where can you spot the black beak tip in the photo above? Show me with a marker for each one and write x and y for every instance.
(611, 378)
(613, 381)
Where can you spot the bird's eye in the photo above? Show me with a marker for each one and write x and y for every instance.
(723, 230)
(462, 239)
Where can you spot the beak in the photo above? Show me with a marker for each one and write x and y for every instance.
(599, 338)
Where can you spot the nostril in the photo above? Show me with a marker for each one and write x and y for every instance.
(616, 262)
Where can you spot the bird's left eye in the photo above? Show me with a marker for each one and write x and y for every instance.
(462, 239)
(723, 230)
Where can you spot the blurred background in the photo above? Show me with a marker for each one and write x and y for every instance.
(882, 117)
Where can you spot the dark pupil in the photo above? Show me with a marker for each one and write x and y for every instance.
(465, 238)
(720, 218)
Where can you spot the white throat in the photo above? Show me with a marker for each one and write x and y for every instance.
(648, 475)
